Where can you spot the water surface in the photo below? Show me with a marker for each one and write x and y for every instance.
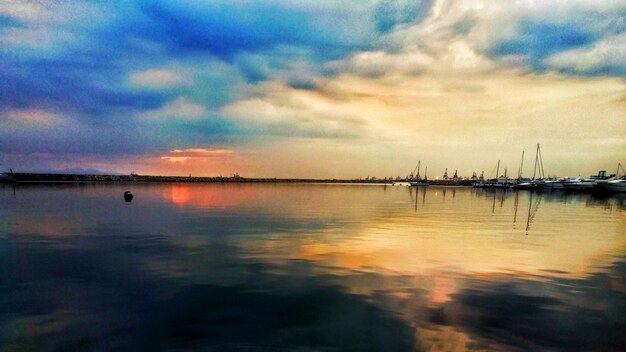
(303, 267)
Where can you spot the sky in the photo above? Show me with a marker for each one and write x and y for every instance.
(312, 88)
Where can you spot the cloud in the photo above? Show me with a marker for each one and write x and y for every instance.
(604, 57)
(435, 114)
(537, 32)
(34, 117)
(524, 34)
(289, 111)
(180, 108)
(22, 10)
(378, 63)
(389, 14)
(538, 39)
(223, 28)
(183, 155)
(158, 78)
(89, 88)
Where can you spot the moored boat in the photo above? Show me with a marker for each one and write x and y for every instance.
(616, 185)
(612, 183)
(581, 185)
(557, 184)
(526, 185)
(419, 182)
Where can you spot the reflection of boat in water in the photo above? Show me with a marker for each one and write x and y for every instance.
(401, 183)
(6, 178)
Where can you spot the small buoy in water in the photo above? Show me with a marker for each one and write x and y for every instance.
(128, 196)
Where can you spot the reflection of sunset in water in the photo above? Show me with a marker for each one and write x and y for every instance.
(442, 287)
(208, 196)
(392, 251)
(180, 194)
(469, 240)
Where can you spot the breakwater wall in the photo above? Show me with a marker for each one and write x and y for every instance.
(71, 178)
(43, 178)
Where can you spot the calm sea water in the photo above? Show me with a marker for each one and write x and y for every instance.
(291, 267)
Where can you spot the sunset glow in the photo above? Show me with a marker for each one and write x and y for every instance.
(214, 88)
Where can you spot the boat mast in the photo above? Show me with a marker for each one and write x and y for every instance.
(619, 166)
(519, 174)
(543, 174)
(419, 165)
(498, 171)
(413, 173)
(538, 164)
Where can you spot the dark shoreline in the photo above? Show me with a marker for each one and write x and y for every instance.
(79, 178)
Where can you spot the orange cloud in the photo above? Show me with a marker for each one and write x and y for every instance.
(202, 151)
(176, 159)
(195, 154)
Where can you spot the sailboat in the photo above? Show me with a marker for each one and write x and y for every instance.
(534, 182)
(418, 180)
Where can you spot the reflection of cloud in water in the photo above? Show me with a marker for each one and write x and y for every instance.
(405, 245)
(565, 314)
(101, 297)
(46, 225)
(105, 293)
